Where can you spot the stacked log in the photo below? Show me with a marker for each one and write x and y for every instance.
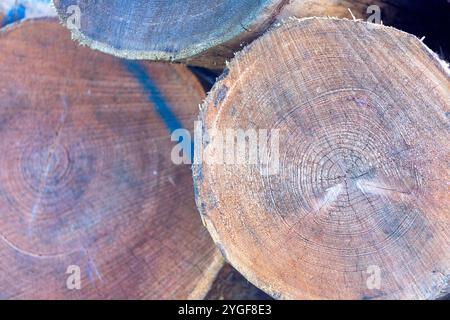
(332, 185)
(194, 32)
(91, 205)
(355, 205)
(187, 32)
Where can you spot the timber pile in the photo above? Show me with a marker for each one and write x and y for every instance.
(352, 202)
(362, 187)
(231, 285)
(86, 176)
(186, 31)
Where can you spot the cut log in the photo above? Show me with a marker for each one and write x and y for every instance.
(196, 32)
(356, 205)
(88, 190)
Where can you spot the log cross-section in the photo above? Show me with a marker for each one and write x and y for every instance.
(207, 33)
(195, 31)
(360, 206)
(91, 204)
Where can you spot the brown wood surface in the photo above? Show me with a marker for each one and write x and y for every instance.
(363, 113)
(86, 177)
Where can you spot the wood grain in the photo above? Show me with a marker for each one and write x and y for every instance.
(86, 175)
(195, 32)
(363, 117)
(428, 19)
(340, 9)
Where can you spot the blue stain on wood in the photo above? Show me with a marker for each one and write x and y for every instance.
(154, 95)
(15, 14)
(156, 98)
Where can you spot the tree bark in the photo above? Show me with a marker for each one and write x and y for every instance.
(359, 206)
(87, 182)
